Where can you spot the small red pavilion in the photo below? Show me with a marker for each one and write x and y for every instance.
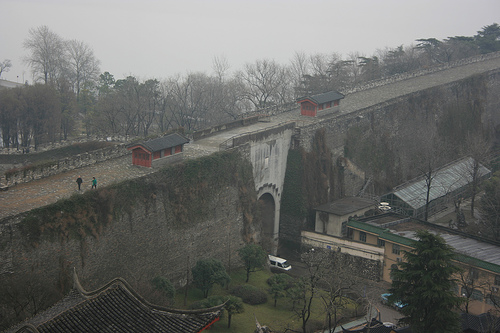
(151, 152)
(309, 106)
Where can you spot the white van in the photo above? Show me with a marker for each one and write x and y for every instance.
(280, 263)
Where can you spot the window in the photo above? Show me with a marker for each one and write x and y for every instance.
(362, 236)
(396, 249)
(473, 273)
(394, 267)
(477, 295)
(350, 233)
(497, 280)
(380, 242)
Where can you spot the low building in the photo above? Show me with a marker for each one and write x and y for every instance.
(310, 105)
(331, 218)
(159, 151)
(479, 258)
(115, 307)
(384, 238)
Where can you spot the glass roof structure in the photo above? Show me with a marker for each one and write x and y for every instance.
(446, 180)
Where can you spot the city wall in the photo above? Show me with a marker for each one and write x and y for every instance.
(153, 230)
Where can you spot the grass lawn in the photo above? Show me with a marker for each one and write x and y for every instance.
(277, 318)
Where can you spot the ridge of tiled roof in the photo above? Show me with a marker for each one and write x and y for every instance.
(323, 97)
(116, 307)
(166, 141)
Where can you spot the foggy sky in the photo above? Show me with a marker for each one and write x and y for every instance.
(161, 38)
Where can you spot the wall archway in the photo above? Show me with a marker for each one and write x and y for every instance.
(267, 207)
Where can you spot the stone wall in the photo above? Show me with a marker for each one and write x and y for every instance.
(139, 241)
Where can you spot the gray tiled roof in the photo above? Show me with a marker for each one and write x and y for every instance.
(324, 97)
(167, 141)
(116, 308)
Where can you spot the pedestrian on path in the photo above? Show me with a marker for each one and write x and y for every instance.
(94, 183)
(79, 181)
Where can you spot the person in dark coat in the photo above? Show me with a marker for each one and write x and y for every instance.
(79, 181)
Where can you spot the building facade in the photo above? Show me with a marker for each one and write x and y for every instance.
(310, 105)
(153, 153)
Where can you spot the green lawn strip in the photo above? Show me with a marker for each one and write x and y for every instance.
(277, 318)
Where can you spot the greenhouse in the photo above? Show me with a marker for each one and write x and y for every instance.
(449, 183)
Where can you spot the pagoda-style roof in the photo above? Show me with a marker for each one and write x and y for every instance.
(116, 307)
(165, 142)
(322, 98)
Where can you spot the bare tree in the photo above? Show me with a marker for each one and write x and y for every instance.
(44, 113)
(46, 54)
(264, 81)
(11, 103)
(299, 67)
(477, 147)
(188, 100)
(490, 207)
(425, 150)
(335, 301)
(220, 67)
(318, 263)
(471, 287)
(83, 66)
(163, 118)
(5, 66)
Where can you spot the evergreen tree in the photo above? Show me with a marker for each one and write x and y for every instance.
(208, 272)
(254, 257)
(424, 284)
(279, 283)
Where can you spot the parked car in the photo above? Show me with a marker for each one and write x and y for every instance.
(384, 298)
(279, 263)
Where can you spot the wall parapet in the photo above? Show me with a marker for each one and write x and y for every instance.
(241, 139)
(421, 72)
(30, 173)
(203, 133)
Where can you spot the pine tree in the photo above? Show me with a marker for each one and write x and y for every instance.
(424, 283)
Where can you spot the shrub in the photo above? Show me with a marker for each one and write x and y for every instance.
(250, 294)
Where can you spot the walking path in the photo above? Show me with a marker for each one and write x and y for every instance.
(38, 193)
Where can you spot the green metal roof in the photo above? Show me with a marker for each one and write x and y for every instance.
(477, 262)
(387, 235)
(366, 227)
